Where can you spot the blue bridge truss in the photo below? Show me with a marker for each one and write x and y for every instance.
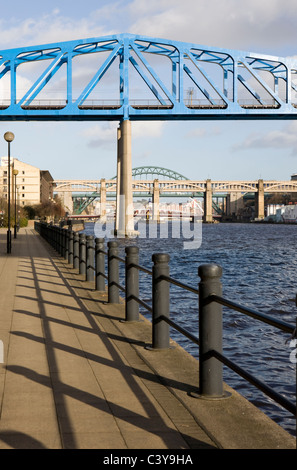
(136, 77)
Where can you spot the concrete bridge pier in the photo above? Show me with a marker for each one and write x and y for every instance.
(234, 203)
(208, 203)
(259, 201)
(103, 200)
(156, 201)
(124, 205)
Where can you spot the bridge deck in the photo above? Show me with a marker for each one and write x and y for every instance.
(74, 376)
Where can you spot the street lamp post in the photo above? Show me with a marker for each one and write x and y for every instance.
(8, 136)
(15, 173)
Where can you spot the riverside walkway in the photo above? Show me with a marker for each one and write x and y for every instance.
(74, 376)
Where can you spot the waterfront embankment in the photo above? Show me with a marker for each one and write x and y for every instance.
(75, 376)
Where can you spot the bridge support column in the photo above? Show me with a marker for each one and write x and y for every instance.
(234, 203)
(125, 212)
(102, 200)
(118, 180)
(259, 201)
(156, 201)
(208, 203)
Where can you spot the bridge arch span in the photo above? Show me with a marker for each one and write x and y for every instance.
(155, 172)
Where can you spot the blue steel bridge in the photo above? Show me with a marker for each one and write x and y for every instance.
(126, 76)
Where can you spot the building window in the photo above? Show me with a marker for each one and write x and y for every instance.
(23, 195)
(23, 187)
(23, 172)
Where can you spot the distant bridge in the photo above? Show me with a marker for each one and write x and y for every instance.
(233, 190)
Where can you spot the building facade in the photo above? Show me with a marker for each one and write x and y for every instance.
(29, 184)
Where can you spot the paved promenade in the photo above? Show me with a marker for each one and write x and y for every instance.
(74, 376)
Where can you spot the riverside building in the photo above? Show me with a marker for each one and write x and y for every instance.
(32, 185)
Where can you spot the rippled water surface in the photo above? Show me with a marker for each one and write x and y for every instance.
(259, 270)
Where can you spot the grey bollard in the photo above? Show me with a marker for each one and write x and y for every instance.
(160, 334)
(210, 332)
(113, 273)
(70, 251)
(132, 283)
(90, 258)
(99, 264)
(82, 253)
(76, 250)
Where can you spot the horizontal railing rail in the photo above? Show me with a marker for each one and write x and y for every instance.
(89, 257)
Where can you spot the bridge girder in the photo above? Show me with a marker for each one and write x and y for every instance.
(180, 81)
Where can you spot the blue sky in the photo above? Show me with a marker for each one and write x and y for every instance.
(199, 150)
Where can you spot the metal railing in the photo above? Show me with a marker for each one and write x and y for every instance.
(89, 257)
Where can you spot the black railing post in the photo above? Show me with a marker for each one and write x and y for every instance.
(66, 251)
(63, 242)
(210, 332)
(132, 283)
(76, 250)
(90, 259)
(55, 238)
(60, 241)
(70, 251)
(100, 264)
(82, 253)
(160, 333)
(113, 273)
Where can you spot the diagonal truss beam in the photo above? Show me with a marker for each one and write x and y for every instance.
(42, 80)
(91, 85)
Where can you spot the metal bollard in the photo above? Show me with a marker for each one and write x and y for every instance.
(132, 283)
(210, 333)
(63, 242)
(66, 251)
(82, 253)
(70, 251)
(160, 334)
(60, 241)
(76, 250)
(55, 238)
(113, 273)
(100, 264)
(90, 259)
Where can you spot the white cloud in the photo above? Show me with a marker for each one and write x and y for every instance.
(101, 135)
(105, 134)
(202, 132)
(227, 23)
(48, 28)
(142, 129)
(285, 138)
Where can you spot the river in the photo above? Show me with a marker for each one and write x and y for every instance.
(259, 264)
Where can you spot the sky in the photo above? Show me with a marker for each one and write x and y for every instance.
(219, 150)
